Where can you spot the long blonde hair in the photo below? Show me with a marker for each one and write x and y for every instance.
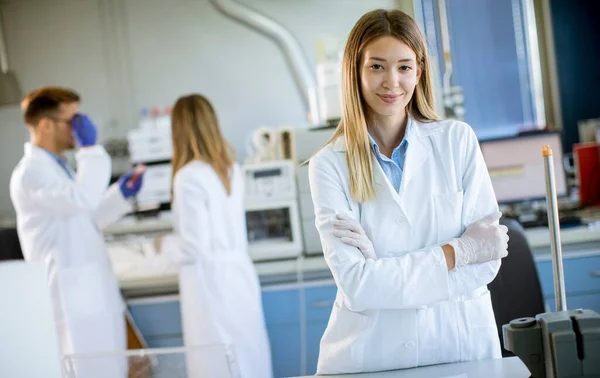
(196, 136)
(353, 125)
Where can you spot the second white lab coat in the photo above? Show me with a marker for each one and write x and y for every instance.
(405, 309)
(59, 222)
(218, 285)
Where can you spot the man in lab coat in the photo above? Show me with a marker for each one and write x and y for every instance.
(60, 215)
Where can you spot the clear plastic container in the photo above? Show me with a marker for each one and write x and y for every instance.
(207, 361)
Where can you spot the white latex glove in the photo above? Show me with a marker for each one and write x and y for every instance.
(351, 232)
(483, 241)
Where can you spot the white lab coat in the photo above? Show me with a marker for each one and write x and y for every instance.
(59, 221)
(405, 309)
(219, 289)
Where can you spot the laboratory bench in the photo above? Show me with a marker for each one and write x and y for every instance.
(298, 295)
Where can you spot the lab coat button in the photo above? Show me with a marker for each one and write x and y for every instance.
(400, 220)
(409, 344)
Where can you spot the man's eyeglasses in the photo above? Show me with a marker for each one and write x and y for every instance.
(67, 121)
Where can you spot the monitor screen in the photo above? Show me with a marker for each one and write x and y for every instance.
(516, 167)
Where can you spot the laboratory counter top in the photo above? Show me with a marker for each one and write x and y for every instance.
(158, 279)
(540, 236)
(497, 368)
(165, 280)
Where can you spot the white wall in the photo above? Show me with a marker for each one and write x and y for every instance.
(12, 136)
(122, 55)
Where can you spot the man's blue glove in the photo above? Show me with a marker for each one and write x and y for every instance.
(84, 130)
(131, 182)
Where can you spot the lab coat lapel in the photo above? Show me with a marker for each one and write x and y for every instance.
(44, 158)
(418, 152)
(383, 188)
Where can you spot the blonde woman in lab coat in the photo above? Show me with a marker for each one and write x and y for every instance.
(406, 213)
(219, 288)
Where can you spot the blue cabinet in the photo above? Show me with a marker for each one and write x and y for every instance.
(585, 301)
(165, 342)
(158, 320)
(582, 282)
(286, 349)
(314, 333)
(281, 306)
(296, 317)
(318, 302)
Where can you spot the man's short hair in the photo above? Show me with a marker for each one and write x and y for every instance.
(45, 102)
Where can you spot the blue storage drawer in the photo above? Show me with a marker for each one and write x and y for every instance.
(157, 318)
(582, 275)
(281, 306)
(318, 302)
(285, 349)
(585, 301)
(165, 342)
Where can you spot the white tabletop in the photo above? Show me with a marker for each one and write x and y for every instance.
(498, 368)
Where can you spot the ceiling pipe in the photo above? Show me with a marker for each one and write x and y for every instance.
(297, 60)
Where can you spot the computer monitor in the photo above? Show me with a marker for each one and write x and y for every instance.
(516, 167)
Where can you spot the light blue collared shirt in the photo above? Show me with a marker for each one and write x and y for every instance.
(62, 161)
(394, 167)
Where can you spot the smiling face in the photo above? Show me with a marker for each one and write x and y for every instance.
(380, 92)
(388, 76)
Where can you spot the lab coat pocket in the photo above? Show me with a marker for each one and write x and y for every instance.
(83, 291)
(448, 215)
(483, 339)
